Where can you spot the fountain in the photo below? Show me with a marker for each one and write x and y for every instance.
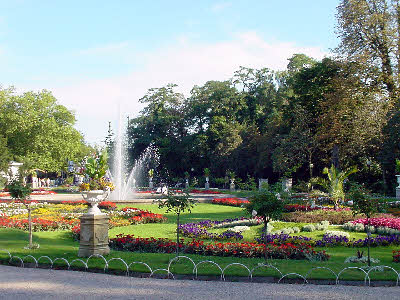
(126, 182)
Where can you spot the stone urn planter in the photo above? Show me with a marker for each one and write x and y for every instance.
(232, 185)
(207, 185)
(94, 197)
(398, 187)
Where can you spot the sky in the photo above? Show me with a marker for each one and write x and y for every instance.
(98, 58)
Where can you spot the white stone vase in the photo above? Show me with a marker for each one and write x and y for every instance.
(94, 197)
(398, 181)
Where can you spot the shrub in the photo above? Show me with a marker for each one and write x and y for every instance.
(286, 231)
(322, 226)
(330, 233)
(199, 230)
(296, 229)
(308, 228)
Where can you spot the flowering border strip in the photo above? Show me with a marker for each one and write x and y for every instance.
(195, 269)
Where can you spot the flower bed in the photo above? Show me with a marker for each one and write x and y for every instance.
(46, 217)
(34, 192)
(125, 217)
(298, 207)
(331, 240)
(393, 223)
(77, 202)
(283, 251)
(337, 217)
(38, 224)
(199, 230)
(107, 205)
(194, 191)
(230, 201)
(396, 256)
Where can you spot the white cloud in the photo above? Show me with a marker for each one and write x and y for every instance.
(220, 6)
(184, 63)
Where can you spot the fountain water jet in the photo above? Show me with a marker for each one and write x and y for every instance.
(126, 182)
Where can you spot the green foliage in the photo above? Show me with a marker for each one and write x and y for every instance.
(397, 166)
(97, 166)
(249, 184)
(336, 180)
(5, 155)
(231, 174)
(267, 204)
(69, 180)
(44, 133)
(18, 190)
(151, 173)
(207, 172)
(363, 203)
(177, 203)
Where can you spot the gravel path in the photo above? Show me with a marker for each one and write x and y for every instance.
(20, 283)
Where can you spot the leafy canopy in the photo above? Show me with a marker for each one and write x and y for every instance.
(177, 203)
(18, 190)
(38, 129)
(363, 203)
(267, 204)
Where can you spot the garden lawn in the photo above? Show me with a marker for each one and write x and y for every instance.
(60, 244)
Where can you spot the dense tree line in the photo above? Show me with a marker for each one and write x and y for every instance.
(343, 110)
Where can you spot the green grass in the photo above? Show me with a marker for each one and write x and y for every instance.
(60, 244)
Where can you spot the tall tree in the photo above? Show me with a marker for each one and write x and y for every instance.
(370, 35)
(162, 124)
(39, 129)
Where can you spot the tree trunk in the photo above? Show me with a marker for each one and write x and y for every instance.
(335, 156)
(265, 238)
(30, 226)
(177, 235)
(385, 188)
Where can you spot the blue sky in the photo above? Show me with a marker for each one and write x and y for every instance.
(96, 56)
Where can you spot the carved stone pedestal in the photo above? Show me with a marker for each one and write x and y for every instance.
(398, 193)
(94, 235)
